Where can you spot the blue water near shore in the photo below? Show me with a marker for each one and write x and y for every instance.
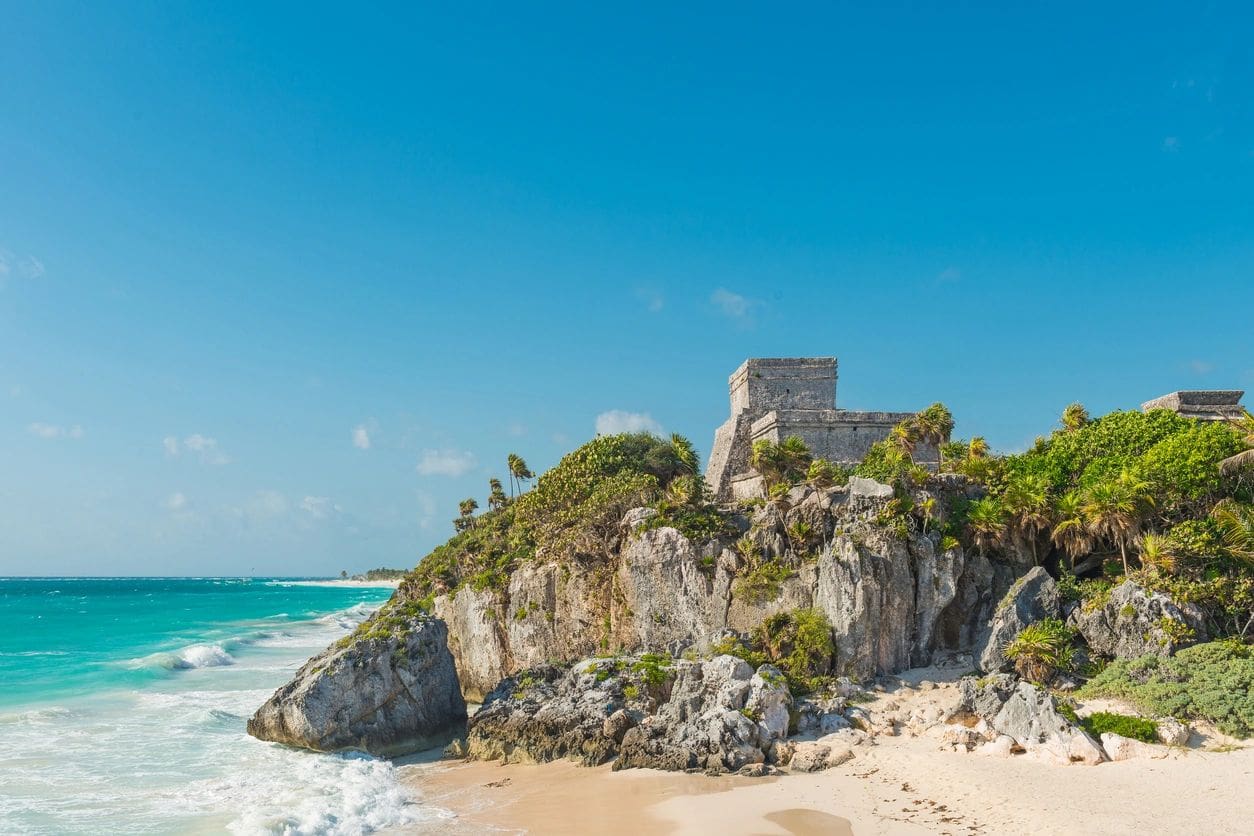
(123, 704)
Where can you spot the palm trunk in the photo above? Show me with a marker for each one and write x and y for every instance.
(1123, 553)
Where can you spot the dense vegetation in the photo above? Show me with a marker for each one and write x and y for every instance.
(574, 510)
(1212, 682)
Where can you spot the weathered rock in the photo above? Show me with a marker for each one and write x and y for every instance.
(816, 756)
(1173, 732)
(819, 716)
(388, 690)
(1136, 622)
(476, 638)
(1032, 598)
(718, 715)
(1120, 748)
(868, 488)
(1029, 715)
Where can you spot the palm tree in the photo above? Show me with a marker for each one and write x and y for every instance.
(1074, 417)
(784, 463)
(1236, 529)
(467, 508)
(1157, 550)
(1027, 504)
(934, 426)
(496, 498)
(987, 523)
(685, 453)
(1114, 509)
(904, 437)
(518, 471)
(1234, 464)
(1071, 532)
(977, 448)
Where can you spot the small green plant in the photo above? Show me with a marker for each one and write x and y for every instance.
(630, 692)
(653, 668)
(762, 582)
(1041, 650)
(1137, 728)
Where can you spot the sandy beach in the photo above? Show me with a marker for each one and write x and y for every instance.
(896, 784)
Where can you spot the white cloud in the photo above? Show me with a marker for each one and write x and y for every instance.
(1201, 367)
(361, 437)
(319, 507)
(204, 446)
(734, 306)
(31, 267)
(948, 275)
(52, 431)
(266, 504)
(653, 300)
(445, 462)
(619, 421)
(176, 501)
(516, 430)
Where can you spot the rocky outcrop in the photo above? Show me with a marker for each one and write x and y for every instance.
(1137, 622)
(1028, 715)
(892, 596)
(719, 715)
(1032, 598)
(1120, 748)
(389, 689)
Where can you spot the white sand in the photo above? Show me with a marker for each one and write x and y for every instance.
(894, 785)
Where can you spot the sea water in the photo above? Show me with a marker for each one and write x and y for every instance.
(123, 704)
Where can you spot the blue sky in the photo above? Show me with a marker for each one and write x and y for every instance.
(279, 286)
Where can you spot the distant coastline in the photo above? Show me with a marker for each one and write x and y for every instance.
(349, 582)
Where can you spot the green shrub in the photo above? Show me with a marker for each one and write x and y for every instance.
(1041, 650)
(1137, 728)
(762, 582)
(1212, 682)
(800, 644)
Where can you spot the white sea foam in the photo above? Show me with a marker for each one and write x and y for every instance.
(192, 656)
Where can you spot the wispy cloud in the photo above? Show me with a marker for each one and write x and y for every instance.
(734, 306)
(28, 267)
(516, 430)
(176, 501)
(949, 275)
(31, 267)
(445, 462)
(617, 421)
(319, 507)
(54, 431)
(1201, 367)
(202, 446)
(361, 437)
(653, 299)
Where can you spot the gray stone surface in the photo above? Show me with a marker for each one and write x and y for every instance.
(719, 715)
(1029, 715)
(869, 488)
(1032, 598)
(1132, 623)
(1202, 404)
(1173, 732)
(387, 696)
(1120, 748)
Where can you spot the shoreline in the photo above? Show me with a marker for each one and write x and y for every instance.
(896, 787)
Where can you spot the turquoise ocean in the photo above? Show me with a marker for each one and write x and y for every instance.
(123, 704)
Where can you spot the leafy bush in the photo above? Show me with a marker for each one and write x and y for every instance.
(1212, 682)
(1041, 650)
(800, 644)
(762, 582)
(1127, 725)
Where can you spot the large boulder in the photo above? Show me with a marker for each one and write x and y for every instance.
(1027, 714)
(1032, 598)
(719, 715)
(1137, 622)
(388, 689)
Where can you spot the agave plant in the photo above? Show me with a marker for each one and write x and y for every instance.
(1041, 650)
(1159, 552)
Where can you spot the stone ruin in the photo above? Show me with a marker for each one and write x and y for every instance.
(1202, 404)
(773, 398)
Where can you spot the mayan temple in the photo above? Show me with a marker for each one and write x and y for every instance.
(773, 398)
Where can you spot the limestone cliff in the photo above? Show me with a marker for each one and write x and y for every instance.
(892, 595)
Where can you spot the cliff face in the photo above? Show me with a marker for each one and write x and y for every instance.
(892, 596)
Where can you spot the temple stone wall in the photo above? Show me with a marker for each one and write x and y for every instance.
(774, 398)
(1202, 404)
